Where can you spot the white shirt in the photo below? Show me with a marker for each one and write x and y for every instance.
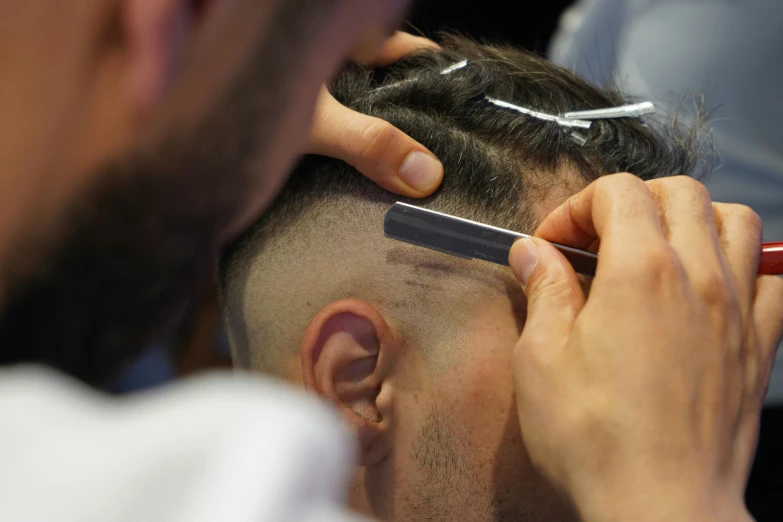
(731, 51)
(221, 448)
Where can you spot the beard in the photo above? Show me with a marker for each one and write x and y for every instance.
(137, 244)
(456, 480)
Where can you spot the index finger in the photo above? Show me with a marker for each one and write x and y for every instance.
(377, 149)
(618, 210)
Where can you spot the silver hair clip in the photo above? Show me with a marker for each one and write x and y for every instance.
(626, 111)
(565, 122)
(579, 138)
(456, 67)
(571, 120)
(395, 84)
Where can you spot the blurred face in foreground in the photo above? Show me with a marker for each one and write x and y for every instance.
(115, 109)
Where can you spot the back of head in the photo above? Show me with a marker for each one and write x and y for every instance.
(413, 346)
(322, 240)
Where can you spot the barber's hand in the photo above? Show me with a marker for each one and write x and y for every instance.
(643, 401)
(376, 148)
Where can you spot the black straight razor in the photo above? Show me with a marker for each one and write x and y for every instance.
(465, 238)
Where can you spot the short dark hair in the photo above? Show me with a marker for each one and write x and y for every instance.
(496, 161)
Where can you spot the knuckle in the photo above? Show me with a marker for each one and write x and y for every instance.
(652, 270)
(697, 191)
(716, 291)
(746, 217)
(660, 260)
(377, 138)
(689, 184)
(620, 179)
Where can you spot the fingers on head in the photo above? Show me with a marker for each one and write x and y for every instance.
(375, 148)
(395, 161)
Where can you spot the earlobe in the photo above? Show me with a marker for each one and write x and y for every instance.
(347, 354)
(155, 35)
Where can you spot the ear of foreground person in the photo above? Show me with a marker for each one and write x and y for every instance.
(414, 346)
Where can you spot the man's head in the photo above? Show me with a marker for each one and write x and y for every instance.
(114, 109)
(411, 345)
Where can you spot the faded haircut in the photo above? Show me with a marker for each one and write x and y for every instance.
(497, 162)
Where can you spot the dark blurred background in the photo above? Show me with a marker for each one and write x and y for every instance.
(528, 24)
(199, 345)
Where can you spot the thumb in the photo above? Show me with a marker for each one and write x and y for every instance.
(375, 148)
(554, 295)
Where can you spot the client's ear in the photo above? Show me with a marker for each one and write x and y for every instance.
(347, 353)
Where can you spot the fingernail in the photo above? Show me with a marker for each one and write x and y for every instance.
(421, 171)
(523, 259)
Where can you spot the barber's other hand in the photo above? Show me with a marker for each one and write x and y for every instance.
(373, 146)
(643, 401)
